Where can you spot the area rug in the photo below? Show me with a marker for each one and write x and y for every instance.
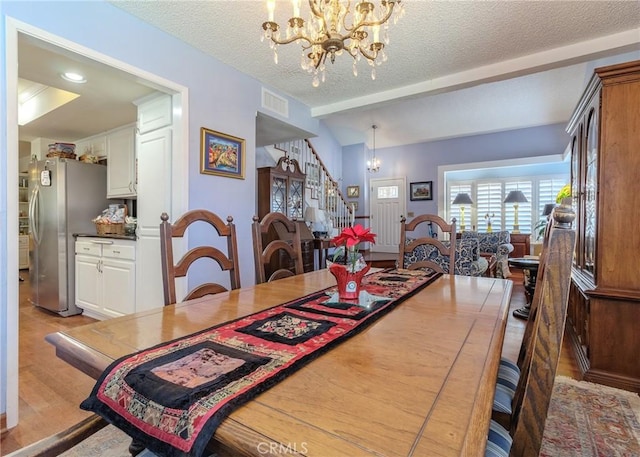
(107, 442)
(591, 420)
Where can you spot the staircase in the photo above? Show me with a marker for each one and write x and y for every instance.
(321, 191)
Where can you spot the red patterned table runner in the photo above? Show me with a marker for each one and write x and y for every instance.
(172, 397)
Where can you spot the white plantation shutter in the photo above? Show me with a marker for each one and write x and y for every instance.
(547, 191)
(488, 197)
(489, 202)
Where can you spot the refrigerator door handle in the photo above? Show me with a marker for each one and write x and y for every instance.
(33, 215)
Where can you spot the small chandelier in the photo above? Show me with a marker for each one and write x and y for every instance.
(333, 28)
(373, 165)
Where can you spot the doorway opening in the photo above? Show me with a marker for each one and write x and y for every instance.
(20, 35)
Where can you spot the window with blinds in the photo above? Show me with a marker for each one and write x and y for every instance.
(488, 201)
(489, 206)
(547, 191)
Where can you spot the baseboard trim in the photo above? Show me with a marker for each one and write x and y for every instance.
(3, 423)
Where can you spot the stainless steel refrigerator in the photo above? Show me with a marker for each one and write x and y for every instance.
(65, 195)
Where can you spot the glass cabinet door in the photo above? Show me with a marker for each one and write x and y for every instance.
(279, 195)
(590, 192)
(296, 196)
(576, 189)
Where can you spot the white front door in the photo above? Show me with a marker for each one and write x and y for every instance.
(388, 204)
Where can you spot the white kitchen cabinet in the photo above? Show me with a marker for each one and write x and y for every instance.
(154, 112)
(105, 277)
(121, 163)
(95, 146)
(154, 159)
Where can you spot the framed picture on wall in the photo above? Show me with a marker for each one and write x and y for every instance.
(421, 190)
(313, 174)
(353, 191)
(221, 154)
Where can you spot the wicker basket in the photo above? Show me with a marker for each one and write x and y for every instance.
(110, 229)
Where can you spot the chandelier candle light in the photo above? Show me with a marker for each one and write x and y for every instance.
(462, 199)
(332, 27)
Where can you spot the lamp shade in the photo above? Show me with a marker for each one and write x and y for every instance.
(516, 196)
(548, 208)
(462, 199)
(313, 214)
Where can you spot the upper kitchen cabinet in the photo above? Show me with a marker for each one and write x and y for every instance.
(154, 112)
(94, 146)
(121, 162)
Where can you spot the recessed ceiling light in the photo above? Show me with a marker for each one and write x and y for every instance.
(73, 77)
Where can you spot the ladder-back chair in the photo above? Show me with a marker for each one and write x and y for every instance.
(171, 270)
(263, 254)
(540, 361)
(427, 243)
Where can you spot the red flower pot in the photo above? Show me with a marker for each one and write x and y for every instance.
(348, 282)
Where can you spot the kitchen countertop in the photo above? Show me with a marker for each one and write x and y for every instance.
(113, 237)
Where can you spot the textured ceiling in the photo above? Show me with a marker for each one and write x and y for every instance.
(455, 67)
(437, 47)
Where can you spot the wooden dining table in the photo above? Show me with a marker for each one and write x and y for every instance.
(417, 382)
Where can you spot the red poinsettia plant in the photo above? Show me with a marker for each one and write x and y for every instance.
(348, 246)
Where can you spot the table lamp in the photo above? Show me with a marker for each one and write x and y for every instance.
(516, 197)
(313, 216)
(462, 199)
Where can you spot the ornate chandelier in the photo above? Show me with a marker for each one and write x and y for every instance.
(332, 28)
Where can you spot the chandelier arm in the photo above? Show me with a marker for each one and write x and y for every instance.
(380, 21)
(292, 39)
(364, 52)
(315, 12)
(321, 60)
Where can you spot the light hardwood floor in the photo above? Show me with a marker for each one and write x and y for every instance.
(51, 390)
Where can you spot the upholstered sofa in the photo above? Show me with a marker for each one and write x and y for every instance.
(468, 262)
(496, 244)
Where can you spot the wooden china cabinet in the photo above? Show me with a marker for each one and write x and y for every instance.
(604, 303)
(281, 189)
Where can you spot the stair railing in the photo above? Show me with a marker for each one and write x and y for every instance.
(320, 184)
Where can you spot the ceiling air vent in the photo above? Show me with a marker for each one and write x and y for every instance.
(275, 103)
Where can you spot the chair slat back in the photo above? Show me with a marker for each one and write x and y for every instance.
(172, 270)
(264, 253)
(533, 393)
(448, 251)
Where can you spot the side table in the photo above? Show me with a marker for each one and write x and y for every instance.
(322, 245)
(529, 265)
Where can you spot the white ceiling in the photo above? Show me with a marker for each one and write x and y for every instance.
(105, 101)
(455, 67)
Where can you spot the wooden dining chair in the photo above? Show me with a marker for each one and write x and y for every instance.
(263, 254)
(171, 270)
(509, 371)
(540, 362)
(426, 251)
